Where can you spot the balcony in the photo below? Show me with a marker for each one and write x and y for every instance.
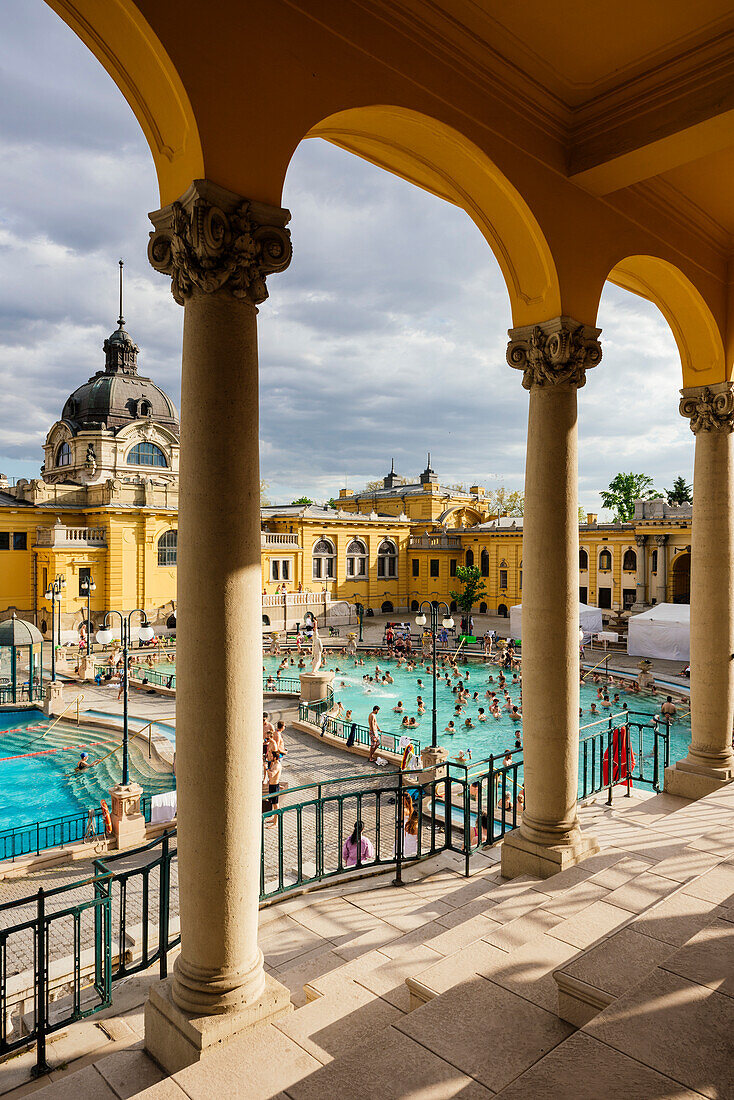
(435, 542)
(276, 540)
(61, 535)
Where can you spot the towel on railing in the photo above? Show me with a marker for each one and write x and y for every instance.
(162, 807)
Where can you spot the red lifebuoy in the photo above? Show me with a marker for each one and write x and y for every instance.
(106, 818)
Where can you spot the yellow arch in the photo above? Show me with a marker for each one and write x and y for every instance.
(125, 44)
(439, 159)
(693, 325)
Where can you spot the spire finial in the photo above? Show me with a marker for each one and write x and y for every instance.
(429, 453)
(392, 465)
(121, 319)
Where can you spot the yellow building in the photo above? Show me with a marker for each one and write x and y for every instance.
(105, 506)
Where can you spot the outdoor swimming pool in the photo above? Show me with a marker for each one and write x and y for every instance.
(35, 787)
(493, 736)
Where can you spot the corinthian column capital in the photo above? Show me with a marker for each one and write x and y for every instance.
(554, 352)
(709, 408)
(212, 239)
(641, 540)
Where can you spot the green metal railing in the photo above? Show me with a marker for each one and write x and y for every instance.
(154, 876)
(56, 832)
(282, 685)
(87, 989)
(355, 734)
(143, 674)
(620, 749)
(24, 693)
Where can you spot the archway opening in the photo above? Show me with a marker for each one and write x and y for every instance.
(681, 578)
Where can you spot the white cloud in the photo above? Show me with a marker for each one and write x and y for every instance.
(386, 336)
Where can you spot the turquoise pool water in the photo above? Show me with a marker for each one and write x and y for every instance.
(493, 735)
(34, 787)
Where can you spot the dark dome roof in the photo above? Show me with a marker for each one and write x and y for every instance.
(17, 632)
(118, 395)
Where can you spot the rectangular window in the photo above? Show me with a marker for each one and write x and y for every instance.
(629, 595)
(85, 574)
(503, 578)
(20, 540)
(329, 563)
(274, 569)
(416, 567)
(521, 580)
(317, 568)
(583, 594)
(452, 567)
(45, 580)
(4, 540)
(434, 567)
(605, 597)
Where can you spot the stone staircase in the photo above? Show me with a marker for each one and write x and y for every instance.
(614, 978)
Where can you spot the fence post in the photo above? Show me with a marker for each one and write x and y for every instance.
(398, 880)
(628, 756)
(467, 822)
(41, 1065)
(610, 761)
(163, 909)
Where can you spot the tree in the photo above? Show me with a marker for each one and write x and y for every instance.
(302, 502)
(474, 588)
(582, 515)
(506, 502)
(680, 493)
(623, 491)
(263, 493)
(372, 486)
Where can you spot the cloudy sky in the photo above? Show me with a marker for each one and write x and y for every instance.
(377, 342)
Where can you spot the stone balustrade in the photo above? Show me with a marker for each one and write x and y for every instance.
(61, 535)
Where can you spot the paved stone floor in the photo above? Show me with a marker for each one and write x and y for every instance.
(479, 1015)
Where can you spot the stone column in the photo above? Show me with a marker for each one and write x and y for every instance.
(217, 248)
(710, 761)
(554, 357)
(661, 587)
(641, 598)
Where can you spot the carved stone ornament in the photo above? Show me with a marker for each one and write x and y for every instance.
(640, 539)
(554, 352)
(212, 239)
(661, 539)
(709, 408)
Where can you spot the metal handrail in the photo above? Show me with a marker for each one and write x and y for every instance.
(58, 718)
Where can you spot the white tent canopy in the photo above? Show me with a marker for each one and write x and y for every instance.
(663, 631)
(590, 620)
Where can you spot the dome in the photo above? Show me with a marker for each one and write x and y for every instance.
(118, 395)
(17, 632)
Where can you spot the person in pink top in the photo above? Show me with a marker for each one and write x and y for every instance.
(357, 847)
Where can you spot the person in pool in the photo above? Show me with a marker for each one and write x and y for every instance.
(450, 729)
(83, 762)
(399, 708)
(468, 724)
(481, 716)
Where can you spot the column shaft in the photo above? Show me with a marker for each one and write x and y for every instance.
(550, 643)
(219, 662)
(641, 580)
(712, 601)
(661, 588)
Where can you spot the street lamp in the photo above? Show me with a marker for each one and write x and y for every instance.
(88, 586)
(448, 623)
(359, 608)
(53, 593)
(104, 637)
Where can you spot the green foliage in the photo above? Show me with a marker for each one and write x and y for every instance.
(582, 515)
(263, 493)
(474, 587)
(623, 491)
(506, 502)
(680, 493)
(302, 501)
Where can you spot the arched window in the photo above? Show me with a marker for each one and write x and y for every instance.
(414, 605)
(605, 561)
(387, 607)
(356, 559)
(387, 560)
(470, 557)
(324, 559)
(63, 455)
(146, 454)
(485, 562)
(583, 560)
(168, 548)
(629, 562)
(654, 561)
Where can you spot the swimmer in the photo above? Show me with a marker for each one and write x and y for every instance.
(83, 762)
(468, 724)
(450, 729)
(481, 716)
(399, 708)
(515, 715)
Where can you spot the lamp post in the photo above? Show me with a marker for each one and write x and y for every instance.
(447, 622)
(104, 637)
(359, 608)
(88, 587)
(53, 593)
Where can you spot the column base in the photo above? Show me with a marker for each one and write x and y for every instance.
(521, 856)
(128, 823)
(433, 758)
(688, 780)
(176, 1039)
